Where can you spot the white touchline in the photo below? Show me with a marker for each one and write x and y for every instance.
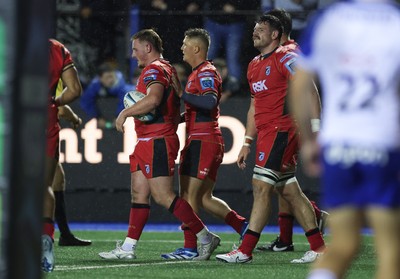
(74, 267)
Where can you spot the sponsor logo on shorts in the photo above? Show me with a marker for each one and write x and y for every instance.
(261, 156)
(204, 172)
(147, 168)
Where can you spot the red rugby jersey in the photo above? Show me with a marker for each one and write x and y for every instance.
(59, 61)
(268, 76)
(167, 115)
(203, 80)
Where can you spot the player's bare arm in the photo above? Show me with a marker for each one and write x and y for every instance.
(73, 88)
(304, 107)
(177, 85)
(251, 133)
(316, 102)
(147, 104)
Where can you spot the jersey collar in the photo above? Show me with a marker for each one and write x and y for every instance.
(262, 57)
(195, 68)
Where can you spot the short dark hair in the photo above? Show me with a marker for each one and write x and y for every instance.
(273, 21)
(284, 17)
(105, 68)
(199, 33)
(151, 36)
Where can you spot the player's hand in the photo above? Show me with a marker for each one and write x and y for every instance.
(76, 123)
(241, 160)
(176, 85)
(310, 154)
(119, 122)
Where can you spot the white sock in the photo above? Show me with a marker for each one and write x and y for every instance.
(129, 244)
(204, 236)
(322, 274)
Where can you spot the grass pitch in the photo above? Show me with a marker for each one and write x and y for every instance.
(83, 262)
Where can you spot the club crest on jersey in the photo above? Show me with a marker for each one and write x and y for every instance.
(147, 168)
(268, 70)
(261, 156)
(206, 82)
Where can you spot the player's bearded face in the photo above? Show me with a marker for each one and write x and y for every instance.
(139, 52)
(261, 36)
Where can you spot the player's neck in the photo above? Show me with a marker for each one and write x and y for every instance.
(271, 47)
(153, 57)
(197, 61)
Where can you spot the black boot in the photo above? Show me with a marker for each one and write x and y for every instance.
(71, 240)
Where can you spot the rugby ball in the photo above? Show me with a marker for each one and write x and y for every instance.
(131, 98)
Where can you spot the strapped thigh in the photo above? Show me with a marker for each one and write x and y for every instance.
(272, 177)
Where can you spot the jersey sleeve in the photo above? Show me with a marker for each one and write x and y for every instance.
(286, 63)
(154, 74)
(208, 82)
(67, 58)
(249, 70)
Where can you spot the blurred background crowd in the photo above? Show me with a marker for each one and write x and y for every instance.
(98, 34)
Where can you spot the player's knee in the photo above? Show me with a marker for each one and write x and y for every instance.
(262, 189)
(163, 200)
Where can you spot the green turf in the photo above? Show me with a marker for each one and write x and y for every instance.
(77, 262)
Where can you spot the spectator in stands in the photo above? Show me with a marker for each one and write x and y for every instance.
(230, 84)
(108, 83)
(102, 23)
(164, 16)
(192, 18)
(226, 29)
(299, 10)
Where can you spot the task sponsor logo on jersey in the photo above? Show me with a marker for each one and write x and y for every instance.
(149, 78)
(261, 156)
(205, 74)
(151, 71)
(207, 82)
(259, 86)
